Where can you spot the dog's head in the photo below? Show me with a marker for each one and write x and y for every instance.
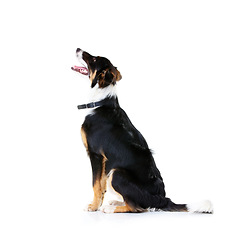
(99, 69)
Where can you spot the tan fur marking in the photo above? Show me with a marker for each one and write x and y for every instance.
(92, 75)
(101, 78)
(103, 180)
(119, 76)
(84, 138)
(99, 189)
(123, 209)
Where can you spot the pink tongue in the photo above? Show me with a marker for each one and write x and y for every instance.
(81, 70)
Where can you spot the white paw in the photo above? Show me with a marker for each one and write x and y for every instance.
(108, 209)
(90, 208)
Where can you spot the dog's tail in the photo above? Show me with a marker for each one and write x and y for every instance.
(200, 207)
(205, 206)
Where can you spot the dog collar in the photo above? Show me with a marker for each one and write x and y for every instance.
(90, 105)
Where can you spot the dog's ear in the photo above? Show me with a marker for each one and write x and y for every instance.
(107, 77)
(118, 75)
(111, 76)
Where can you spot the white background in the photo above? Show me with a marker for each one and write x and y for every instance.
(175, 58)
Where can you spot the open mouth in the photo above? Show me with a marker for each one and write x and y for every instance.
(82, 70)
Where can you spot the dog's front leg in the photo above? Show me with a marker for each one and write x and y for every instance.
(99, 181)
(99, 190)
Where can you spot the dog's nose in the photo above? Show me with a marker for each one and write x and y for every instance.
(78, 50)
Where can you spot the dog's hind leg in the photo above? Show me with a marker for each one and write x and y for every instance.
(116, 203)
(135, 197)
(117, 209)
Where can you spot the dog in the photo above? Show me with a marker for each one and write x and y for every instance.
(118, 152)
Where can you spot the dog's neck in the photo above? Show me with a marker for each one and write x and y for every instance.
(98, 94)
(101, 97)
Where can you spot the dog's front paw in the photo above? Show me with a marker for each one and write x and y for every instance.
(91, 208)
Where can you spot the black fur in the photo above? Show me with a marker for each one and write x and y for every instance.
(136, 178)
(113, 143)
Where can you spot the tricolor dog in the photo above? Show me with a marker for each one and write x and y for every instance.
(118, 152)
